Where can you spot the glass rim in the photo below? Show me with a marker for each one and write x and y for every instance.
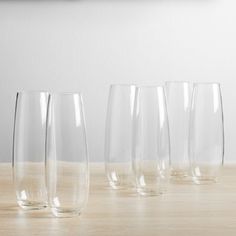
(31, 91)
(150, 86)
(178, 82)
(65, 93)
(206, 83)
(123, 85)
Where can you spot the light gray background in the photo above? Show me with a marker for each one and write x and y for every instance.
(86, 45)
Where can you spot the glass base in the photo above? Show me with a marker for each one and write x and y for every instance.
(179, 173)
(31, 205)
(205, 180)
(65, 213)
(180, 177)
(119, 185)
(148, 192)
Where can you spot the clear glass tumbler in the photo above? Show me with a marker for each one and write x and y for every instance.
(151, 149)
(67, 171)
(206, 133)
(179, 95)
(29, 149)
(118, 137)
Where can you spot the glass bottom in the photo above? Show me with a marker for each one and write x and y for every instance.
(148, 192)
(119, 185)
(64, 212)
(181, 176)
(31, 205)
(179, 173)
(205, 179)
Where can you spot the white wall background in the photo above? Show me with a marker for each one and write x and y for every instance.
(86, 45)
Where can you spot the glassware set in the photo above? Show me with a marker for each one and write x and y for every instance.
(50, 157)
(154, 134)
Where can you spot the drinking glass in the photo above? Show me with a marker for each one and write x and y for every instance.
(151, 141)
(29, 149)
(206, 133)
(179, 95)
(67, 173)
(118, 137)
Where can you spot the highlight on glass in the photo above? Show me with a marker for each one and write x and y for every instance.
(67, 171)
(206, 133)
(28, 161)
(179, 95)
(151, 149)
(118, 137)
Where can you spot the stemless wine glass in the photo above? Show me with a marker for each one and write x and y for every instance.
(118, 137)
(151, 141)
(206, 133)
(67, 172)
(179, 95)
(29, 149)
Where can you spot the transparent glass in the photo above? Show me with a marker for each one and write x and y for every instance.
(67, 171)
(206, 133)
(151, 150)
(118, 137)
(29, 149)
(179, 95)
